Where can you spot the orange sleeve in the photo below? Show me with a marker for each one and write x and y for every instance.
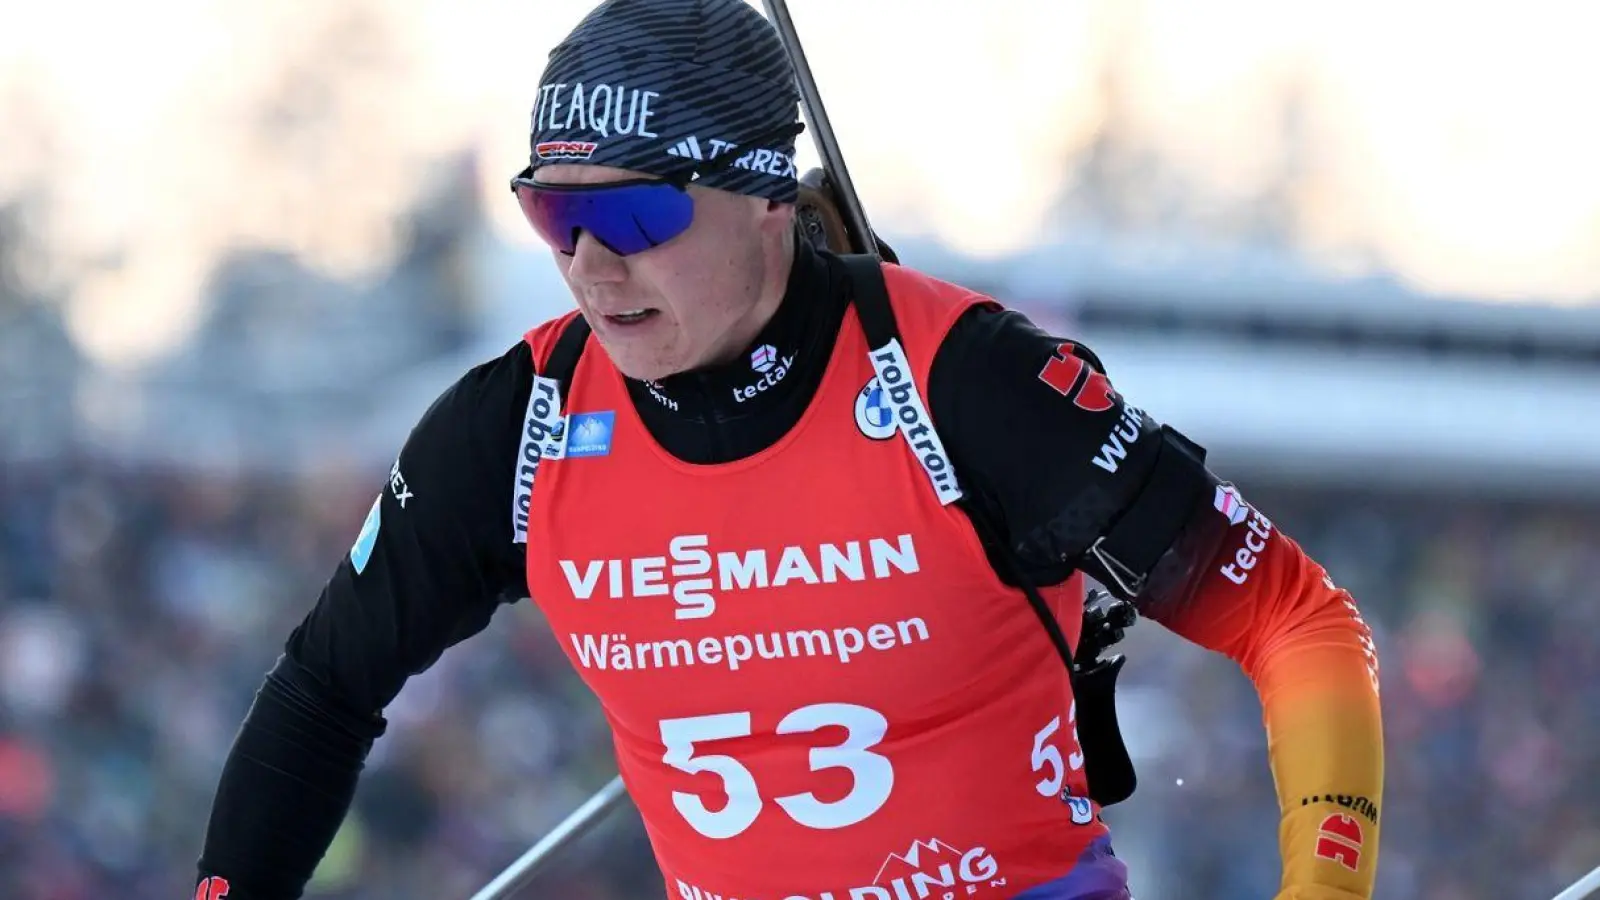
(1305, 647)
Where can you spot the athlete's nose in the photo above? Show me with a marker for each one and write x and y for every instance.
(592, 263)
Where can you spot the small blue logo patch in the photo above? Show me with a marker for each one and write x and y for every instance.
(590, 434)
(361, 551)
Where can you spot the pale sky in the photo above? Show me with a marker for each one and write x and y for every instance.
(1457, 139)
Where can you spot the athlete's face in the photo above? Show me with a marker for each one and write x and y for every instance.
(697, 300)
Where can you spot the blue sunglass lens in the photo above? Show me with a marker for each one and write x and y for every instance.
(625, 218)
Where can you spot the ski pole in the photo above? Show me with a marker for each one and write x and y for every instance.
(855, 214)
(1583, 887)
(571, 828)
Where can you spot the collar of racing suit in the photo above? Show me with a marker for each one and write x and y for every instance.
(770, 378)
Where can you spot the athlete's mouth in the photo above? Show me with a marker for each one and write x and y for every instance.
(630, 317)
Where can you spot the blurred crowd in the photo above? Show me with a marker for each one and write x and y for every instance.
(141, 603)
(140, 606)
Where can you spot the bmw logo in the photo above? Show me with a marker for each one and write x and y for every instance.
(874, 415)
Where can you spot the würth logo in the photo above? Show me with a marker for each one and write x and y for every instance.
(214, 888)
(1072, 378)
(1339, 840)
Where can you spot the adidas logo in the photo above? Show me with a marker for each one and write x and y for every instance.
(688, 148)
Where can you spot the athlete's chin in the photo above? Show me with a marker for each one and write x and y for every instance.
(647, 372)
(642, 360)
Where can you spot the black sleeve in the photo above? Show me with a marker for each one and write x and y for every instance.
(1041, 441)
(431, 564)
